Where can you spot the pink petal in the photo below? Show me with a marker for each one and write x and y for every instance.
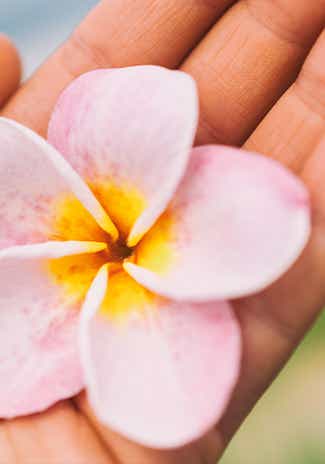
(239, 221)
(133, 127)
(39, 357)
(33, 176)
(164, 375)
(52, 250)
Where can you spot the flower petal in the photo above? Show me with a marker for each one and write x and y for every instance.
(163, 375)
(237, 223)
(52, 250)
(132, 128)
(33, 179)
(39, 357)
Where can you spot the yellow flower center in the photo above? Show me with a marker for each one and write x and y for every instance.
(74, 274)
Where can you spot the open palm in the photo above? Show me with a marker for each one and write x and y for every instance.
(260, 69)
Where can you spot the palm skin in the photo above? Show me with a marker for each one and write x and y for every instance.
(259, 65)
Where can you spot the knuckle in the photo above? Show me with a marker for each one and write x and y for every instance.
(292, 25)
(310, 87)
(80, 54)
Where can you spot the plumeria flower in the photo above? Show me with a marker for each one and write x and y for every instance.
(120, 248)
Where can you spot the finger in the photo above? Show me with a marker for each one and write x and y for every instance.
(205, 450)
(299, 115)
(59, 435)
(10, 69)
(274, 321)
(248, 60)
(116, 33)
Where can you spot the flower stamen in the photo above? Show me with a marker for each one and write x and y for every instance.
(117, 252)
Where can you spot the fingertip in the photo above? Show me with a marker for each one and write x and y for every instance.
(10, 68)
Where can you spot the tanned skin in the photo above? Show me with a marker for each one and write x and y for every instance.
(260, 69)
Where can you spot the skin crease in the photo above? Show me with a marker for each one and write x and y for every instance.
(261, 75)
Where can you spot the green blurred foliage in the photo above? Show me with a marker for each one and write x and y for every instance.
(316, 336)
(307, 454)
(288, 424)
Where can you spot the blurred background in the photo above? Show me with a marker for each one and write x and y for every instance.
(288, 424)
(38, 26)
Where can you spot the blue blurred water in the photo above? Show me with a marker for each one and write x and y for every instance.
(39, 26)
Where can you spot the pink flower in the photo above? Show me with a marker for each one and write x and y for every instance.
(119, 282)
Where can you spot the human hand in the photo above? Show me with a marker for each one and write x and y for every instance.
(243, 66)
